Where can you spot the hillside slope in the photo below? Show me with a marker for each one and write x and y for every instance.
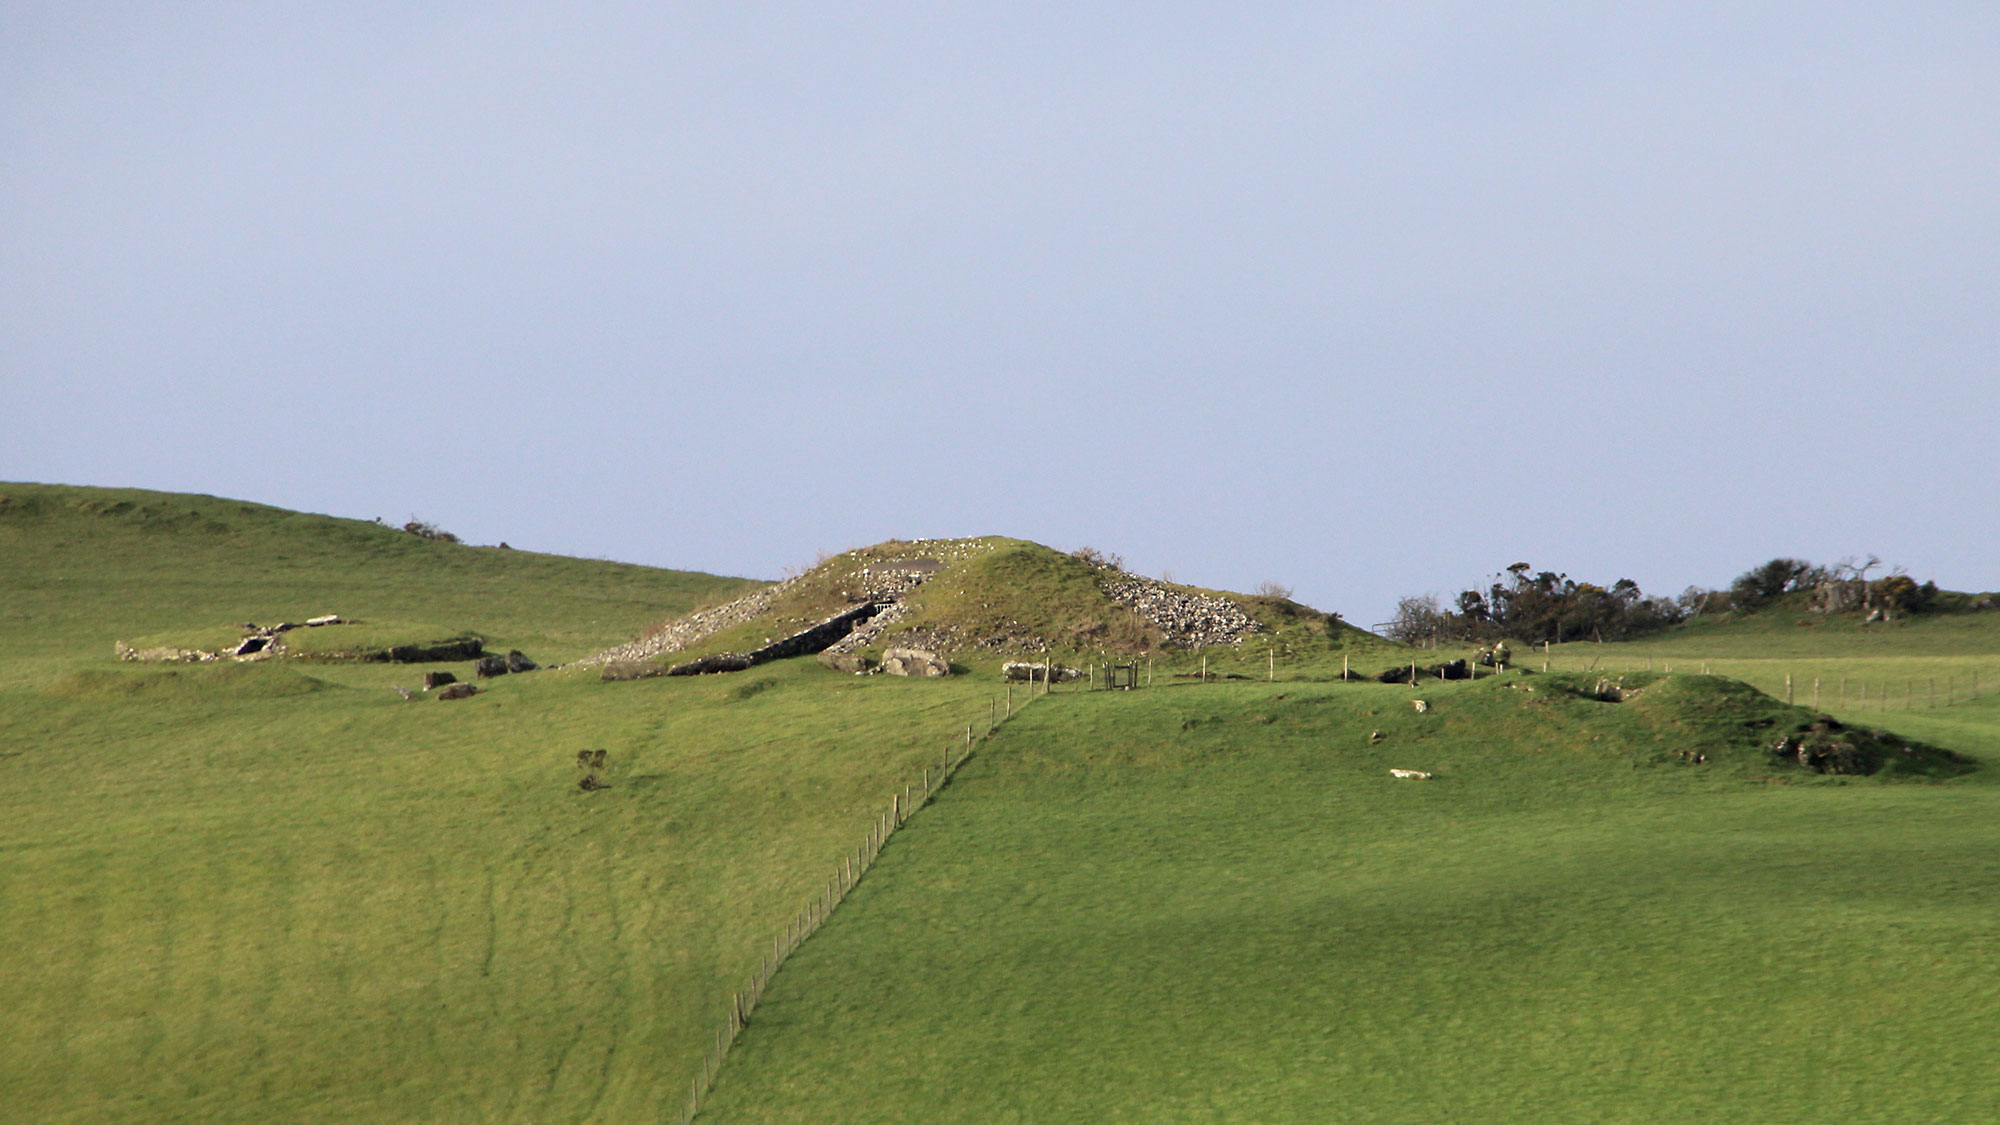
(280, 892)
(82, 567)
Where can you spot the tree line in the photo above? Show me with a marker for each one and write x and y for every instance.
(1537, 605)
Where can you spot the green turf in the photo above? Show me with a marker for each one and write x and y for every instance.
(279, 892)
(1211, 903)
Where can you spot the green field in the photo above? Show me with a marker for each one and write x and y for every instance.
(279, 891)
(1211, 903)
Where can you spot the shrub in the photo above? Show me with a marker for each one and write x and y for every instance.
(423, 530)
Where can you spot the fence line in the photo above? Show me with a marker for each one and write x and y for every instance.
(853, 865)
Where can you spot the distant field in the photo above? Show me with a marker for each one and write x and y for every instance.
(1211, 903)
(1917, 664)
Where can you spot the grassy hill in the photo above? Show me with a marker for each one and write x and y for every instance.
(256, 892)
(984, 600)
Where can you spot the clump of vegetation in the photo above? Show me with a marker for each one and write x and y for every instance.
(425, 530)
(1098, 558)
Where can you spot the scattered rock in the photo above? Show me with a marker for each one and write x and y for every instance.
(914, 662)
(491, 665)
(1422, 706)
(438, 679)
(621, 671)
(458, 691)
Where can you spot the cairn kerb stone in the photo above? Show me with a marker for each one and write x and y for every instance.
(715, 662)
(914, 662)
(623, 671)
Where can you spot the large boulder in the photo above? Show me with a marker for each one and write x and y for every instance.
(458, 691)
(516, 662)
(1038, 671)
(492, 664)
(438, 680)
(914, 662)
(621, 671)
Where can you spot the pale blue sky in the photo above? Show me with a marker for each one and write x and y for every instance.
(1368, 299)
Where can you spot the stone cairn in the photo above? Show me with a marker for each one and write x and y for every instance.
(1186, 618)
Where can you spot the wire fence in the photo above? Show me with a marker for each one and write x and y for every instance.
(853, 866)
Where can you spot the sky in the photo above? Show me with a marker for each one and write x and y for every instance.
(1366, 300)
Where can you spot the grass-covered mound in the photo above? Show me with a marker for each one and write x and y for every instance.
(1213, 903)
(982, 600)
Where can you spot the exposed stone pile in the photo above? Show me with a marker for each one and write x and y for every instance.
(696, 626)
(1187, 618)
